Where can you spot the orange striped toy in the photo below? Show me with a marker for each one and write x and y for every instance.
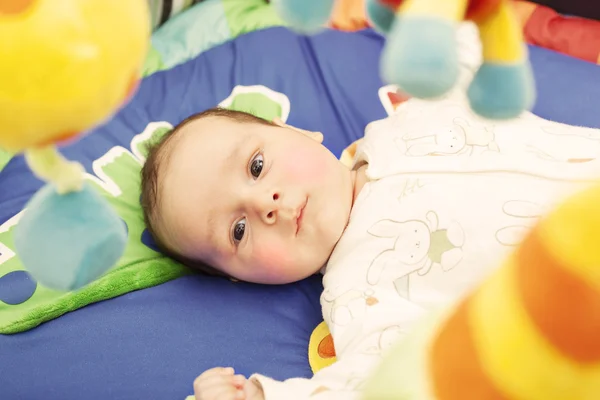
(530, 332)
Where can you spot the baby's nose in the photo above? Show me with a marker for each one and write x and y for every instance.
(267, 207)
(277, 214)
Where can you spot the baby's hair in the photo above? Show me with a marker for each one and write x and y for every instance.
(157, 158)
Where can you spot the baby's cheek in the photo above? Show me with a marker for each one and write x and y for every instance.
(272, 259)
(303, 164)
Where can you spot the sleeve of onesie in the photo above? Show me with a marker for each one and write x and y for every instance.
(363, 320)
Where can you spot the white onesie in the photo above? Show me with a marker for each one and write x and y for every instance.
(448, 197)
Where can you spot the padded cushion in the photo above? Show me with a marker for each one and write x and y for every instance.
(152, 343)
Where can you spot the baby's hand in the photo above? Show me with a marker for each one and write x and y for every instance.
(222, 384)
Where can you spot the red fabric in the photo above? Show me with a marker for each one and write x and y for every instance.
(393, 4)
(480, 9)
(475, 10)
(577, 37)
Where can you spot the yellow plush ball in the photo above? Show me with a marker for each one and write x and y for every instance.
(66, 65)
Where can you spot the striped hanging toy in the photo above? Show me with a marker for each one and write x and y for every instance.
(530, 332)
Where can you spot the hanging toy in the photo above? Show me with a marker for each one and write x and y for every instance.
(420, 54)
(67, 66)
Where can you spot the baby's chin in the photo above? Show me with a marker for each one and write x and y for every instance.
(285, 278)
(294, 270)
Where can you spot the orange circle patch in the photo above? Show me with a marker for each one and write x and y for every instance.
(321, 350)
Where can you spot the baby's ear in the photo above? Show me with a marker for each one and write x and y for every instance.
(317, 136)
(277, 121)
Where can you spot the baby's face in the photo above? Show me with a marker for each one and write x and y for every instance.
(264, 204)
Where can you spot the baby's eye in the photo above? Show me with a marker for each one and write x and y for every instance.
(238, 230)
(256, 165)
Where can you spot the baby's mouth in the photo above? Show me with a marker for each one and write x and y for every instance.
(300, 217)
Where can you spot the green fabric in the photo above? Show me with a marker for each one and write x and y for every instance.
(200, 28)
(204, 26)
(118, 179)
(246, 16)
(5, 157)
(153, 62)
(247, 102)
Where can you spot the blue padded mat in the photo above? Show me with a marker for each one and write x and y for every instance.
(152, 343)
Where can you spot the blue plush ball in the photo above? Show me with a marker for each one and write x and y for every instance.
(304, 16)
(67, 241)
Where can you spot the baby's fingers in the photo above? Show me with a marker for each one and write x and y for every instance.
(221, 380)
(219, 383)
(216, 371)
(211, 374)
(221, 392)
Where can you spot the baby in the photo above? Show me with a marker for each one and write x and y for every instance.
(435, 199)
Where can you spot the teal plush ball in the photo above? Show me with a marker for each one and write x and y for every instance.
(380, 15)
(67, 241)
(304, 16)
